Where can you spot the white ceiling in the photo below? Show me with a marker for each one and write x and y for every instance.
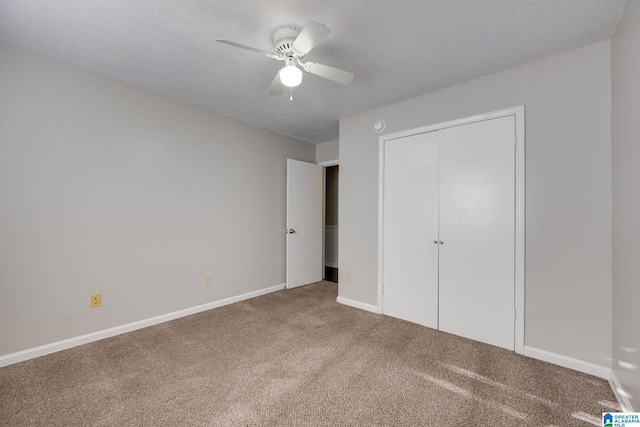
(396, 49)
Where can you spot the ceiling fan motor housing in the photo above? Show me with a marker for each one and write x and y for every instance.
(283, 40)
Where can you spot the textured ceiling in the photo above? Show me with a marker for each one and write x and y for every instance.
(396, 49)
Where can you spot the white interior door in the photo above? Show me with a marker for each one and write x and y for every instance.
(304, 223)
(410, 268)
(477, 223)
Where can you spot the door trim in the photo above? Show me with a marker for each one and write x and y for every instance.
(519, 291)
(328, 163)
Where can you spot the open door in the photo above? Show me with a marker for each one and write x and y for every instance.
(304, 223)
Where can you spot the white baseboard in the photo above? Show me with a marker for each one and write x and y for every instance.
(360, 305)
(568, 362)
(621, 395)
(42, 350)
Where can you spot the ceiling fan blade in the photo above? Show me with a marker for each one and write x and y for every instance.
(252, 49)
(310, 36)
(277, 88)
(327, 72)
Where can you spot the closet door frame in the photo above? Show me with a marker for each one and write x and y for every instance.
(519, 142)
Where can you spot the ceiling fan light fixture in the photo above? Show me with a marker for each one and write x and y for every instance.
(291, 45)
(291, 75)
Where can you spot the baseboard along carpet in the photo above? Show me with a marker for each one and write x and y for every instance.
(295, 358)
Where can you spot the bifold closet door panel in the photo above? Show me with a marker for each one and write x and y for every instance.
(410, 224)
(477, 220)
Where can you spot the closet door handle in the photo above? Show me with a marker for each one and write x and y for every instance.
(441, 242)
(435, 241)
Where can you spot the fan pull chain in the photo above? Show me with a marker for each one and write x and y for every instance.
(291, 95)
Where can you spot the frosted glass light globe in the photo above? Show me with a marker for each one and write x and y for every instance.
(291, 76)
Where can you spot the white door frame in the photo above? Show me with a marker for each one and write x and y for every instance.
(519, 113)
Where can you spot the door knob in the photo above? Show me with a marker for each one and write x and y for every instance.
(289, 231)
(435, 241)
(441, 242)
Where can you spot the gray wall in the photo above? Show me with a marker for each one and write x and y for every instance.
(568, 192)
(327, 151)
(109, 188)
(626, 202)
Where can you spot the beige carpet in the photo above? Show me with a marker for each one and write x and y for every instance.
(295, 358)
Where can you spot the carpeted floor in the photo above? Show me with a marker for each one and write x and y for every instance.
(295, 358)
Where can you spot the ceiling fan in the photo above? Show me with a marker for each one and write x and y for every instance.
(291, 45)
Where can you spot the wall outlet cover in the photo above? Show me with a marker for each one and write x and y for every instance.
(95, 301)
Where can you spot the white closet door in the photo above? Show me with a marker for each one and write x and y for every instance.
(477, 220)
(410, 215)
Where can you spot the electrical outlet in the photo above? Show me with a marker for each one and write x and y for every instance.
(348, 277)
(206, 280)
(96, 300)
